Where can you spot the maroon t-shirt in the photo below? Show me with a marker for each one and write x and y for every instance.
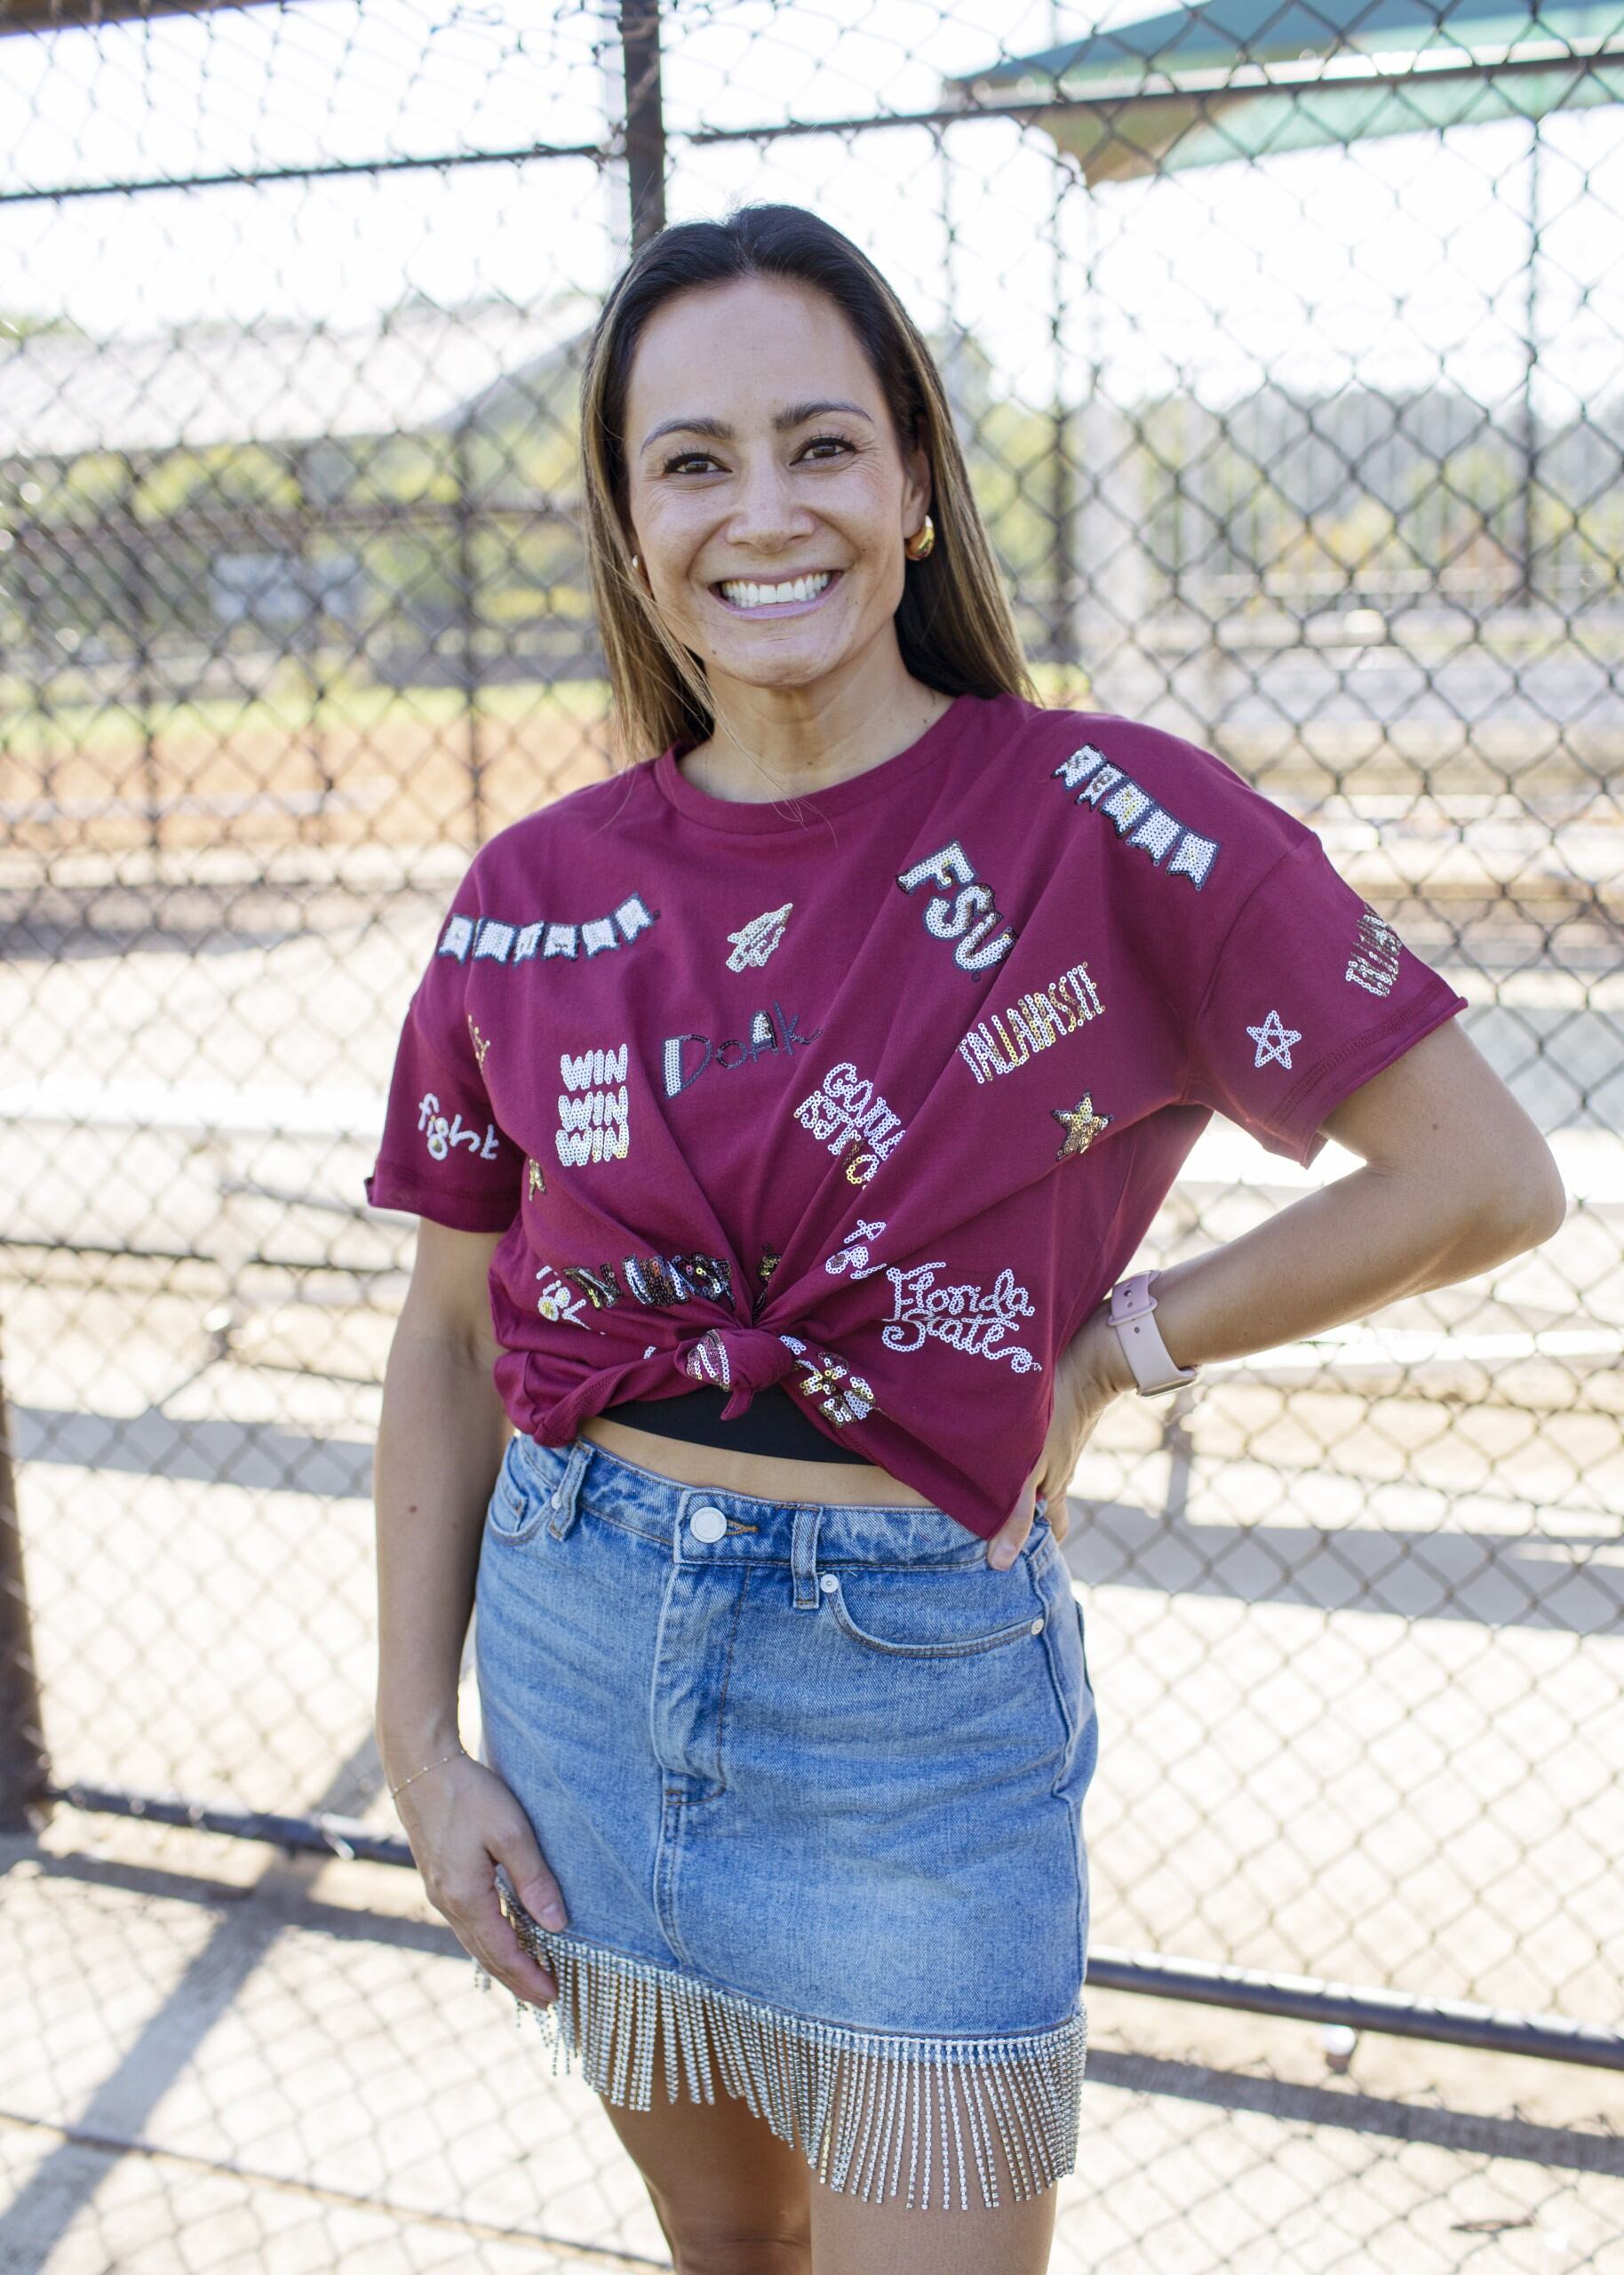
(874, 1092)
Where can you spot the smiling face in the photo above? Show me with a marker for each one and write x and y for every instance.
(761, 456)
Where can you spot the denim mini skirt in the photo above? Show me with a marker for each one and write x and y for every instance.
(811, 1780)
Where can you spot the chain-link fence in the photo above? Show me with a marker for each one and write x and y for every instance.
(1287, 353)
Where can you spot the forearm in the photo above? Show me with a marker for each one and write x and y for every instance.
(1339, 1254)
(441, 1436)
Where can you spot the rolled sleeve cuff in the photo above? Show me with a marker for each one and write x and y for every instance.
(1299, 1134)
(390, 1187)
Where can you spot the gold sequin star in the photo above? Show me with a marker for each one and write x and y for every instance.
(1081, 1124)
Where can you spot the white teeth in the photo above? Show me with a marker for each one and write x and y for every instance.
(803, 588)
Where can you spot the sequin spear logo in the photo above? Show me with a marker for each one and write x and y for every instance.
(754, 942)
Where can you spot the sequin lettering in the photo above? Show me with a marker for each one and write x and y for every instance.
(846, 1112)
(839, 1394)
(442, 1134)
(593, 1127)
(853, 1254)
(597, 1282)
(999, 1045)
(654, 1281)
(555, 1301)
(1136, 815)
(1374, 963)
(707, 1362)
(687, 1056)
(499, 941)
(966, 1317)
(962, 909)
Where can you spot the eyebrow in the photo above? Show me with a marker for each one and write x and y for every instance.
(796, 415)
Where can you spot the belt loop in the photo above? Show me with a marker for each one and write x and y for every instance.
(564, 1500)
(803, 1558)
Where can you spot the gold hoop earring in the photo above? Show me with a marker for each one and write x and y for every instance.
(916, 547)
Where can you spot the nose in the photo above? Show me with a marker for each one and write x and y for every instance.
(766, 514)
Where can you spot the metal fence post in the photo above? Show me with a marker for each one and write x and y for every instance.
(639, 43)
(464, 508)
(23, 1765)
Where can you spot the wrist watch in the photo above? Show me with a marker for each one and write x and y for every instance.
(1133, 1315)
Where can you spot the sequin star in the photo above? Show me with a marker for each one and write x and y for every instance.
(1081, 1124)
(1274, 1041)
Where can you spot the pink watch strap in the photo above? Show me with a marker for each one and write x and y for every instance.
(1132, 1298)
(1132, 1309)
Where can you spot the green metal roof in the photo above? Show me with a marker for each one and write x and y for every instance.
(1243, 79)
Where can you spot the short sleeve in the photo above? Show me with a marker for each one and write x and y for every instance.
(442, 1154)
(1312, 993)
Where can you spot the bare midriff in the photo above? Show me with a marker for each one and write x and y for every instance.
(849, 1484)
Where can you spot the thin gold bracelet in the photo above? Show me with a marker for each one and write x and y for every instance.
(427, 1765)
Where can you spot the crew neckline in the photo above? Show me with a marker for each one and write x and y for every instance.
(743, 818)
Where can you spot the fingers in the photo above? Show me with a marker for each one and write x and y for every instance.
(500, 1943)
(540, 1893)
(479, 1831)
(1010, 1538)
(486, 1932)
(537, 1888)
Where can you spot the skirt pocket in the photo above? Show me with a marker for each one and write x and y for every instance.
(1065, 1640)
(517, 1504)
(943, 1611)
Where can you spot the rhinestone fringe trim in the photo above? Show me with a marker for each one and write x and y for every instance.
(835, 2094)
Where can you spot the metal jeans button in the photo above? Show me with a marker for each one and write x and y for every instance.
(707, 1524)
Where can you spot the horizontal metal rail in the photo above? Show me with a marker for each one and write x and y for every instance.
(1149, 89)
(1300, 1997)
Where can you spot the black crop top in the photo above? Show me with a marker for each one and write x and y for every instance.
(773, 1424)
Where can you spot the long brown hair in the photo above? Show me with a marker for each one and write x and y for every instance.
(954, 627)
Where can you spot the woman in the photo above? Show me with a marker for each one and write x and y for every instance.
(784, 1112)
